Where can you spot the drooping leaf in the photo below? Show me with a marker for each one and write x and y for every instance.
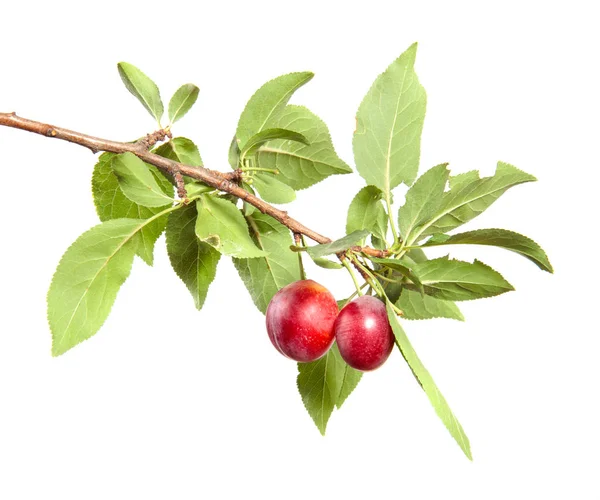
(422, 199)
(500, 238)
(137, 181)
(319, 384)
(182, 150)
(182, 101)
(264, 276)
(266, 103)
(350, 378)
(271, 189)
(401, 267)
(111, 203)
(222, 225)
(337, 246)
(143, 88)
(389, 121)
(301, 166)
(88, 278)
(417, 306)
(194, 261)
(470, 198)
(450, 279)
(367, 212)
(270, 134)
(428, 385)
(326, 263)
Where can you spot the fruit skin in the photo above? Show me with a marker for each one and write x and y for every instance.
(300, 320)
(363, 333)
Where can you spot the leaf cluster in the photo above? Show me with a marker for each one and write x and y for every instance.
(279, 148)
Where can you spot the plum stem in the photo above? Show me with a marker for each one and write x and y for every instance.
(352, 274)
(299, 240)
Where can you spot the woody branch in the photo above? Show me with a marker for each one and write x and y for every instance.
(226, 182)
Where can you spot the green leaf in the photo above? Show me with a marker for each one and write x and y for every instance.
(264, 136)
(223, 226)
(137, 182)
(423, 199)
(350, 378)
(266, 103)
(182, 150)
(234, 153)
(337, 246)
(195, 188)
(194, 261)
(272, 189)
(248, 209)
(266, 275)
(393, 289)
(460, 180)
(88, 278)
(320, 384)
(301, 166)
(111, 203)
(367, 212)
(449, 279)
(402, 267)
(326, 263)
(182, 101)
(500, 238)
(389, 122)
(144, 89)
(428, 385)
(417, 306)
(469, 198)
(416, 255)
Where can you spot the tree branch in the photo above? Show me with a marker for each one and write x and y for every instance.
(226, 182)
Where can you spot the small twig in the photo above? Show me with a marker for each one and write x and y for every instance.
(151, 139)
(179, 183)
(373, 252)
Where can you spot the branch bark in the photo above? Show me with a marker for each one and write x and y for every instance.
(226, 182)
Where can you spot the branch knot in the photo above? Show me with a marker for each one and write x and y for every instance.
(151, 139)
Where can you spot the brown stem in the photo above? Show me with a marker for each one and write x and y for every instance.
(227, 182)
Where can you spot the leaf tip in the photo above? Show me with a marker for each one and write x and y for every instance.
(58, 347)
(501, 165)
(409, 55)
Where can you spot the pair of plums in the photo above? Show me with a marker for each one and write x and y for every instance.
(303, 321)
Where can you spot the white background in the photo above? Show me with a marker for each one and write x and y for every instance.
(167, 402)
